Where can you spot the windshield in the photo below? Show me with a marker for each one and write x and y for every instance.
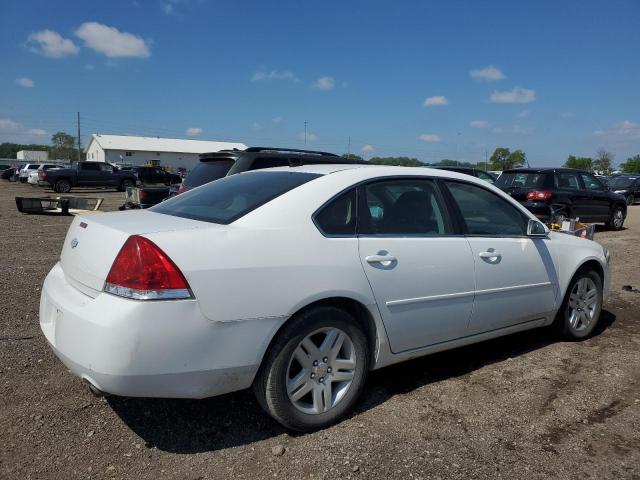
(225, 200)
(618, 183)
(521, 179)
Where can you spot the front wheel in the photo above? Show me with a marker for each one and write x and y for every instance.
(581, 307)
(315, 371)
(617, 218)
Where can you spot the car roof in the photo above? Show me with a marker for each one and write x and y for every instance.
(453, 167)
(544, 170)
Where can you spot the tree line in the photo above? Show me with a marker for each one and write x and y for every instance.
(603, 163)
(63, 147)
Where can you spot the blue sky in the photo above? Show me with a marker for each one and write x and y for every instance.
(430, 79)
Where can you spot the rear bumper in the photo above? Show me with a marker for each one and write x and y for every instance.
(540, 209)
(148, 349)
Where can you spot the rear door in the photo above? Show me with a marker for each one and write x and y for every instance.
(596, 198)
(515, 279)
(88, 174)
(421, 273)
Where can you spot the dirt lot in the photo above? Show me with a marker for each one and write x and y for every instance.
(524, 406)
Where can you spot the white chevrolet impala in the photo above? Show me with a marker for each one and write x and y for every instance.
(299, 280)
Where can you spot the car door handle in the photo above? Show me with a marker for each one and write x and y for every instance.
(380, 259)
(490, 254)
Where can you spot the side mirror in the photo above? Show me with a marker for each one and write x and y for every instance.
(536, 229)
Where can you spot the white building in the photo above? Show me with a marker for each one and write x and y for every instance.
(32, 155)
(171, 152)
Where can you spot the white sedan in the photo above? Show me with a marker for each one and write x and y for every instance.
(299, 280)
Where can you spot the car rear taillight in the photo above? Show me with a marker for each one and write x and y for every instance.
(42, 175)
(181, 189)
(142, 271)
(539, 195)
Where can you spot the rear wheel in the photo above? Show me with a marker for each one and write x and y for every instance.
(617, 218)
(62, 186)
(315, 371)
(582, 306)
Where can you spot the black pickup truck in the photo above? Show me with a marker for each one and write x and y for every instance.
(88, 174)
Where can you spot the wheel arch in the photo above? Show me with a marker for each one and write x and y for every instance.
(589, 264)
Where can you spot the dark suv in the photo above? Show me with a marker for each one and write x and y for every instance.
(213, 166)
(564, 192)
(627, 185)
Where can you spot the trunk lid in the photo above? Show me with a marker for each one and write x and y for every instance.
(93, 241)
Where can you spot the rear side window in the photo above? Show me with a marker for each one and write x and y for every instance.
(90, 166)
(338, 217)
(567, 180)
(227, 199)
(521, 179)
(485, 213)
(205, 172)
(269, 162)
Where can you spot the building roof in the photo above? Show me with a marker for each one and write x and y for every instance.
(157, 144)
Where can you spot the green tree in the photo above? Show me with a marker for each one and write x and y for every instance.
(9, 150)
(451, 163)
(582, 163)
(398, 161)
(63, 147)
(504, 159)
(632, 165)
(603, 162)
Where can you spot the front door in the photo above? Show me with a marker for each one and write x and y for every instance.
(597, 199)
(515, 275)
(421, 274)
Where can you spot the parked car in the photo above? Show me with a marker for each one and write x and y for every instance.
(565, 192)
(299, 280)
(626, 185)
(156, 176)
(88, 174)
(24, 171)
(213, 166)
(474, 172)
(8, 174)
(34, 176)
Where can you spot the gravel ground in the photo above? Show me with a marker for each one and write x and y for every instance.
(524, 406)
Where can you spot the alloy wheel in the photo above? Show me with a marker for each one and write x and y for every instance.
(321, 370)
(618, 218)
(583, 304)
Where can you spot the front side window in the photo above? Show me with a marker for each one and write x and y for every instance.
(485, 213)
(591, 182)
(227, 199)
(402, 207)
(338, 217)
(106, 168)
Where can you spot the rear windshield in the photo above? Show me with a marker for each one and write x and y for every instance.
(227, 199)
(205, 172)
(621, 182)
(521, 179)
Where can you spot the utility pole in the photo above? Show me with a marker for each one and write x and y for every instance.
(305, 132)
(79, 146)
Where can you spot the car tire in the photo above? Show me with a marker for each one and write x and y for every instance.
(62, 186)
(616, 221)
(306, 388)
(125, 184)
(581, 307)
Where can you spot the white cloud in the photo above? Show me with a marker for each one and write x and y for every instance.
(193, 131)
(310, 137)
(112, 42)
(276, 120)
(436, 101)
(273, 75)
(367, 148)
(6, 124)
(51, 44)
(89, 67)
(522, 114)
(25, 82)
(517, 95)
(517, 129)
(479, 124)
(324, 83)
(37, 132)
(487, 74)
(430, 137)
(622, 130)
